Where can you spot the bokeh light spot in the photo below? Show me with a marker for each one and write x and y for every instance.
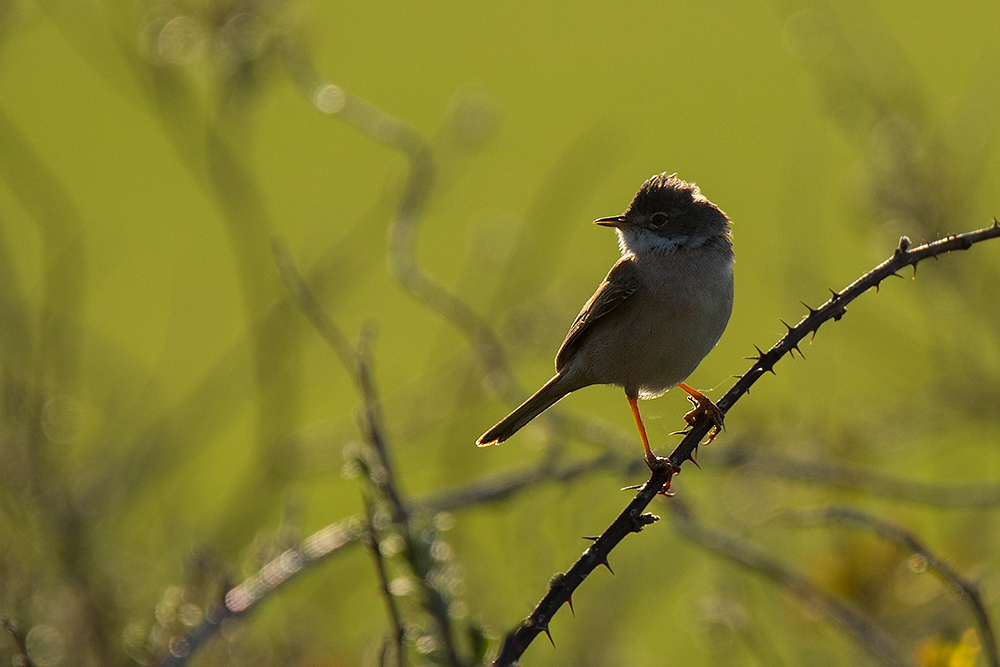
(45, 646)
(181, 41)
(330, 99)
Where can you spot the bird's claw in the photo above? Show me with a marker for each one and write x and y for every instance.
(704, 406)
(658, 464)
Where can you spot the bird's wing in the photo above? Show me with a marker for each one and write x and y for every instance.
(621, 281)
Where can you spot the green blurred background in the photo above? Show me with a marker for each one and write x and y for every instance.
(171, 421)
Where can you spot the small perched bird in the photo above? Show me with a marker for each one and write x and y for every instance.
(659, 311)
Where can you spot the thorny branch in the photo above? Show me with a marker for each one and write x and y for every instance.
(632, 519)
(967, 589)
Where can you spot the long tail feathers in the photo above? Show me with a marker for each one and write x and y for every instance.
(542, 400)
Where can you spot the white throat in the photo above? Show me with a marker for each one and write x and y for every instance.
(639, 241)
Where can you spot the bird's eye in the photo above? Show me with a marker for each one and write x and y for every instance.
(658, 219)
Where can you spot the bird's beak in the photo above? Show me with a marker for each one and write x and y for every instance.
(615, 221)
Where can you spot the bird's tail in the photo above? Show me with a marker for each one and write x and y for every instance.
(542, 400)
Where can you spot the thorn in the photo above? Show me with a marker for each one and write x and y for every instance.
(914, 276)
(693, 457)
(876, 287)
(625, 488)
(813, 336)
(836, 295)
(592, 539)
(607, 565)
(570, 602)
(896, 275)
(646, 519)
(545, 629)
(808, 307)
(771, 370)
(759, 351)
(737, 377)
(787, 325)
(796, 348)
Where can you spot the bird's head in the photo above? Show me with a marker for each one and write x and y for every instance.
(666, 214)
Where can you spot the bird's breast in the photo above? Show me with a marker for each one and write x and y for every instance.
(668, 325)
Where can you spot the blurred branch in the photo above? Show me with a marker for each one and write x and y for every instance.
(966, 588)
(849, 476)
(333, 539)
(311, 307)
(398, 630)
(379, 469)
(211, 144)
(631, 519)
(165, 440)
(22, 659)
(39, 363)
(922, 171)
(417, 190)
(501, 488)
(60, 229)
(865, 632)
(39, 351)
(384, 478)
(241, 600)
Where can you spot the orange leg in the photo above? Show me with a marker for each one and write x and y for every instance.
(634, 403)
(652, 460)
(703, 405)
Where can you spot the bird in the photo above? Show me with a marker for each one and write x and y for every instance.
(659, 311)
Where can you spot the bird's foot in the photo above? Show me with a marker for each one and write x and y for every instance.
(661, 464)
(703, 405)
